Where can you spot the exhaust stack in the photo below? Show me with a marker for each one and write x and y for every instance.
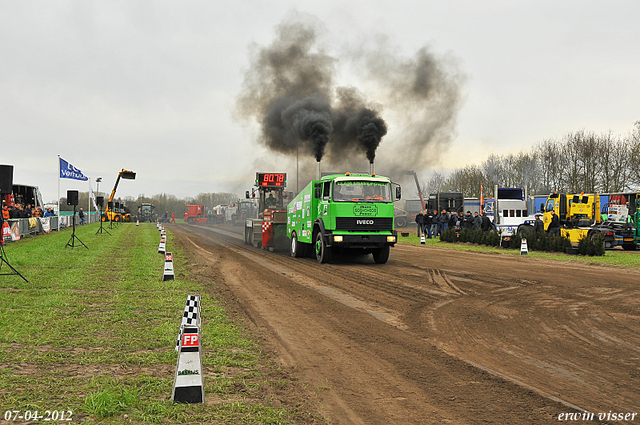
(372, 169)
(318, 175)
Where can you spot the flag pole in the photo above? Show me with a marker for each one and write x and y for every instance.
(89, 200)
(58, 193)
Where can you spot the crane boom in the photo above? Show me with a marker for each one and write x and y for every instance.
(108, 213)
(415, 176)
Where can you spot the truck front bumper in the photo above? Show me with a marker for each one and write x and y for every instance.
(363, 241)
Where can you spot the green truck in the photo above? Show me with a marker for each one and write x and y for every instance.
(343, 213)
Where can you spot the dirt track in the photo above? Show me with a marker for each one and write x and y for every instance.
(438, 335)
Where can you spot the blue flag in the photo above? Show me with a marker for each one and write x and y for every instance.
(68, 171)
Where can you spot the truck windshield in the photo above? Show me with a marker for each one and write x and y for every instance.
(361, 191)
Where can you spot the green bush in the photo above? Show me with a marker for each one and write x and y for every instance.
(591, 246)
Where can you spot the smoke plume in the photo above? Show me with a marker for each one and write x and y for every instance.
(289, 90)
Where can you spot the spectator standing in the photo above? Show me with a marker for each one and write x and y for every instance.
(166, 216)
(444, 221)
(554, 226)
(538, 225)
(428, 223)
(420, 222)
(49, 213)
(468, 221)
(477, 221)
(173, 217)
(81, 215)
(486, 223)
(453, 220)
(435, 227)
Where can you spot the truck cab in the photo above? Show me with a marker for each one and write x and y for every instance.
(340, 213)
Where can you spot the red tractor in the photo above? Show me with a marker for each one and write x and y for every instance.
(195, 214)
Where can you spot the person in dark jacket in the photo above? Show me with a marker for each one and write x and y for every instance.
(453, 220)
(468, 221)
(435, 226)
(554, 226)
(420, 222)
(444, 221)
(477, 221)
(538, 225)
(486, 222)
(81, 215)
(428, 223)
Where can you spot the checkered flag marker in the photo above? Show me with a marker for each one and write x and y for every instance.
(191, 316)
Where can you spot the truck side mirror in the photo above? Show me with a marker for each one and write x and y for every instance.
(542, 207)
(246, 194)
(398, 192)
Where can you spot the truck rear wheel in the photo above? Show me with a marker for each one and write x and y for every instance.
(296, 248)
(381, 255)
(401, 221)
(323, 252)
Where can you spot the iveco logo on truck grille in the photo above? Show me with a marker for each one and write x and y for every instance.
(365, 222)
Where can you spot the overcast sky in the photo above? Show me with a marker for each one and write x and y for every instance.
(151, 86)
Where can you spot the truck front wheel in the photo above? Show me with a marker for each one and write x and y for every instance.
(381, 255)
(323, 252)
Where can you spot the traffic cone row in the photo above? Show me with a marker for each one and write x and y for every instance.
(167, 273)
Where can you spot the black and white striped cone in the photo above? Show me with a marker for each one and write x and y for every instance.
(524, 250)
(422, 240)
(167, 273)
(191, 315)
(188, 385)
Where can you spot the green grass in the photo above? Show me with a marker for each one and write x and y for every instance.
(93, 331)
(615, 257)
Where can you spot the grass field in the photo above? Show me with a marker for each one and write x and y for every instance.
(93, 332)
(616, 257)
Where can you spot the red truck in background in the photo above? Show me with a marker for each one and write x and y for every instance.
(195, 214)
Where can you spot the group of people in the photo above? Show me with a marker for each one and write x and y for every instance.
(433, 223)
(18, 210)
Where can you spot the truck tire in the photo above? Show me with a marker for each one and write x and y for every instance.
(381, 255)
(296, 248)
(190, 220)
(401, 222)
(629, 246)
(524, 229)
(323, 252)
(246, 235)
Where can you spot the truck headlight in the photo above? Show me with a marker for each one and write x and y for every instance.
(337, 238)
(391, 238)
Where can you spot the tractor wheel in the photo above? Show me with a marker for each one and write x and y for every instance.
(116, 219)
(323, 252)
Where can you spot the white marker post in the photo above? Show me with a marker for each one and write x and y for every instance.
(168, 267)
(523, 247)
(188, 386)
(163, 246)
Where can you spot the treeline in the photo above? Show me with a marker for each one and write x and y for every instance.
(581, 161)
(162, 202)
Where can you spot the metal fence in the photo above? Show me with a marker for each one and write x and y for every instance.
(33, 226)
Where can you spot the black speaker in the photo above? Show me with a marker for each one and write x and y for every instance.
(110, 204)
(6, 179)
(100, 201)
(72, 197)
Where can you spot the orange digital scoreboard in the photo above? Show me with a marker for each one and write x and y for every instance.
(271, 179)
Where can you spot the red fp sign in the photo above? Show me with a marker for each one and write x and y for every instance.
(190, 340)
(168, 258)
